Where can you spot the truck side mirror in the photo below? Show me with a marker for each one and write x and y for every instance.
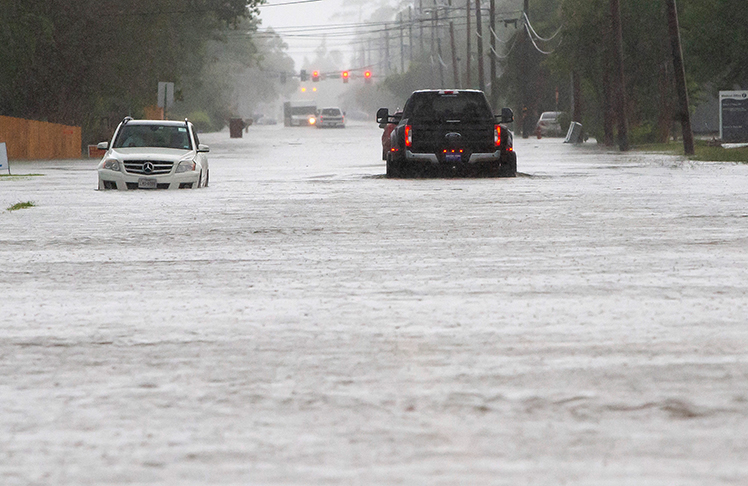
(382, 115)
(507, 115)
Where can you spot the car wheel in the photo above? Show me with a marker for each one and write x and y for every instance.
(200, 180)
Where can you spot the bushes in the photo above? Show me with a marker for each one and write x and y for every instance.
(202, 122)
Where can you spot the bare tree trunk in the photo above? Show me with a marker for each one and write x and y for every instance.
(608, 110)
(620, 85)
(576, 93)
(665, 120)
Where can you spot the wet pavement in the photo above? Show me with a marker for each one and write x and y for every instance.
(305, 320)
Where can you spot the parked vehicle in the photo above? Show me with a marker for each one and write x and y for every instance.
(154, 154)
(299, 113)
(389, 126)
(552, 124)
(330, 118)
(449, 132)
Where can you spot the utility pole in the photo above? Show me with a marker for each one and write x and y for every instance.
(492, 43)
(387, 49)
(479, 33)
(420, 23)
(455, 66)
(402, 45)
(410, 34)
(439, 45)
(620, 84)
(468, 81)
(680, 77)
(524, 70)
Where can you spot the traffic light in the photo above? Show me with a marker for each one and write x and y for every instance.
(315, 76)
(302, 75)
(345, 75)
(367, 77)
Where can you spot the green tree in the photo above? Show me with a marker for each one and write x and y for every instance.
(715, 42)
(91, 62)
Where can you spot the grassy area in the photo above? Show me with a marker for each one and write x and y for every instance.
(21, 205)
(704, 152)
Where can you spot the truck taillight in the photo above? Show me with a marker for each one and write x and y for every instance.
(497, 135)
(408, 135)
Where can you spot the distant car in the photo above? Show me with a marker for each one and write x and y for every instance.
(330, 118)
(153, 154)
(550, 124)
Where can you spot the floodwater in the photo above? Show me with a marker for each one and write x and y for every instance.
(305, 320)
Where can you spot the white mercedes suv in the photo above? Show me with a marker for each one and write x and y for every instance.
(153, 154)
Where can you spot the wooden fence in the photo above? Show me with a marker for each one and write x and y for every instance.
(34, 140)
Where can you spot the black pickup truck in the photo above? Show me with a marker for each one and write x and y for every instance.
(449, 132)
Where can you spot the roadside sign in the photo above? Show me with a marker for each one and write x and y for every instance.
(165, 94)
(733, 116)
(4, 164)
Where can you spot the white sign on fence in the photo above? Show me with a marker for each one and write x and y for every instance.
(4, 164)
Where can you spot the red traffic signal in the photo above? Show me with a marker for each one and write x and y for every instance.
(315, 76)
(367, 77)
(346, 75)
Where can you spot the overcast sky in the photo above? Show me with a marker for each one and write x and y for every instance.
(287, 19)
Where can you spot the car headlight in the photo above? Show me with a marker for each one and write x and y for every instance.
(186, 166)
(110, 164)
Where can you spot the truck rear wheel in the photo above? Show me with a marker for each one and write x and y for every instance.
(394, 166)
(509, 165)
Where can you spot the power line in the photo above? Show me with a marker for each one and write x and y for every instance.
(287, 3)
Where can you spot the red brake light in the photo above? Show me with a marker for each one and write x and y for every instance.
(497, 135)
(408, 135)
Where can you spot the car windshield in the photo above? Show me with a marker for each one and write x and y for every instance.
(159, 136)
(331, 112)
(448, 106)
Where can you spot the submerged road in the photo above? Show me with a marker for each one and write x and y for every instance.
(305, 320)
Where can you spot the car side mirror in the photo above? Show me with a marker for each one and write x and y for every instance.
(103, 146)
(203, 148)
(382, 115)
(507, 115)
